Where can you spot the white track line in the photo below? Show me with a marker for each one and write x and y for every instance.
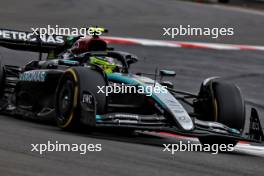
(241, 147)
(250, 149)
(179, 44)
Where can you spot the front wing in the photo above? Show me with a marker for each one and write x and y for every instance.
(202, 128)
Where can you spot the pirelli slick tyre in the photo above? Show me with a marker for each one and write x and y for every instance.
(226, 106)
(229, 105)
(71, 104)
(221, 102)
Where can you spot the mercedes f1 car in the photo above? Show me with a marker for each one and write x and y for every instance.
(65, 87)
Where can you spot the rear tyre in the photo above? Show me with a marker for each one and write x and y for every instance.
(70, 112)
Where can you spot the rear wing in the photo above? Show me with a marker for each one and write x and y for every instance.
(30, 41)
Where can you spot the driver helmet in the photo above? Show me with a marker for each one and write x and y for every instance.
(106, 63)
(88, 44)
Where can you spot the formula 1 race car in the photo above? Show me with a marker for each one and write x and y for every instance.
(85, 83)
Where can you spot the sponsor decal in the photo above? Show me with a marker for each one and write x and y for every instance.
(127, 115)
(87, 98)
(88, 103)
(33, 76)
(30, 37)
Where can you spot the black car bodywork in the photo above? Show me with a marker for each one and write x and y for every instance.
(36, 91)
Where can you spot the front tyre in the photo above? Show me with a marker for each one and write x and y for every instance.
(221, 102)
(229, 106)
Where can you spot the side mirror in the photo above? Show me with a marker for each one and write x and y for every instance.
(168, 84)
(167, 73)
(131, 59)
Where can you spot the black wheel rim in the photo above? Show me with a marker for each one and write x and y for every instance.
(65, 100)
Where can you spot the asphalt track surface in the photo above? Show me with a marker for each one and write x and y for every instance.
(137, 154)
